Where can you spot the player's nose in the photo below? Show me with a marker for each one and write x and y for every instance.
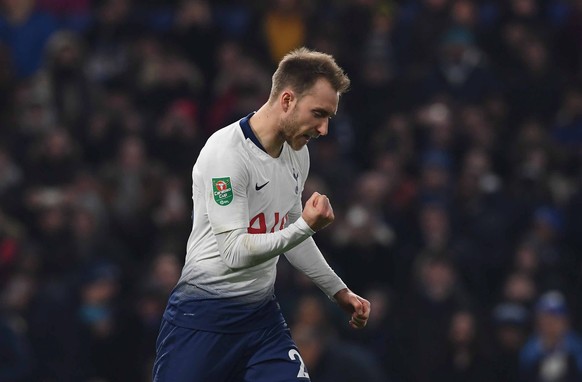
(323, 128)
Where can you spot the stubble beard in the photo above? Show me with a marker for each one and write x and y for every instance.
(289, 129)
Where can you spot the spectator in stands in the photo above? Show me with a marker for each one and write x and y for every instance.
(554, 351)
(510, 329)
(327, 359)
(26, 32)
(466, 358)
(436, 296)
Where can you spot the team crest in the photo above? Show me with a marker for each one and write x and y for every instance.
(222, 191)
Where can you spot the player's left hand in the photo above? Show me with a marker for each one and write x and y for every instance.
(358, 307)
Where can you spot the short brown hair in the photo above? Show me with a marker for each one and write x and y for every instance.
(301, 68)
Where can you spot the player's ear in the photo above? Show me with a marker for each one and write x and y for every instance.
(286, 99)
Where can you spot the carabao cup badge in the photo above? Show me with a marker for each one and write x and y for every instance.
(222, 191)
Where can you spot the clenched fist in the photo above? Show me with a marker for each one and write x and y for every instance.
(318, 212)
(358, 307)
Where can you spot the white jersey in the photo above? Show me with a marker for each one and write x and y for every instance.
(238, 185)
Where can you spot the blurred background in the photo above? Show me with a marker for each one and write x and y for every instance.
(453, 165)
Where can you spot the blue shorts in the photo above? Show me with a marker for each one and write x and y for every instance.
(190, 355)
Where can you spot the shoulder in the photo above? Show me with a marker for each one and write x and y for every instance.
(223, 144)
(228, 135)
(224, 154)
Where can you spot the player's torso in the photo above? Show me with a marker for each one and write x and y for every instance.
(274, 187)
(271, 187)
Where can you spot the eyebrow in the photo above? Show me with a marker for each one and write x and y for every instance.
(324, 112)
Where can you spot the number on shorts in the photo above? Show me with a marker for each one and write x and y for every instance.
(294, 355)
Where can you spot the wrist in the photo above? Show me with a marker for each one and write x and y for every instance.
(339, 294)
(304, 226)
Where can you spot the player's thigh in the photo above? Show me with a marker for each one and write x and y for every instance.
(276, 359)
(188, 355)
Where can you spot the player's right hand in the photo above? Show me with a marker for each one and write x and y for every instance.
(318, 212)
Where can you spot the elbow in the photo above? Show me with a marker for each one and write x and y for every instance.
(229, 253)
(232, 262)
(239, 254)
(233, 258)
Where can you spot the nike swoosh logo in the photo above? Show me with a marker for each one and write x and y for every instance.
(257, 187)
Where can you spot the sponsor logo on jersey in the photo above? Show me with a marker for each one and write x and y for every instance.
(222, 191)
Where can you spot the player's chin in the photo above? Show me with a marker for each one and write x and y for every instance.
(298, 143)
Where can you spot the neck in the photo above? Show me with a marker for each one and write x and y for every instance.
(265, 125)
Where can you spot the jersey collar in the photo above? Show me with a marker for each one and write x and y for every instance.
(248, 132)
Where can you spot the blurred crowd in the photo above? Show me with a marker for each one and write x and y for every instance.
(453, 166)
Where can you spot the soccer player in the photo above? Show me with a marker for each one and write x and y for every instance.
(223, 322)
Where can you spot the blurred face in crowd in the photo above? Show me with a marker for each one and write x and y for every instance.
(84, 224)
(307, 116)
(132, 153)
(68, 56)
(462, 330)
(310, 344)
(287, 5)
(373, 187)
(535, 56)
(434, 223)
(114, 11)
(526, 8)
(515, 35)
(99, 291)
(437, 279)
(18, 8)
(166, 271)
(464, 12)
(434, 177)
(194, 12)
(310, 311)
(526, 259)
(519, 287)
(511, 337)
(17, 293)
(552, 328)
(573, 100)
(436, 5)
(382, 306)
(52, 221)
(57, 144)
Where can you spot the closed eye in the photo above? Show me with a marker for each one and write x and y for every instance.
(321, 114)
